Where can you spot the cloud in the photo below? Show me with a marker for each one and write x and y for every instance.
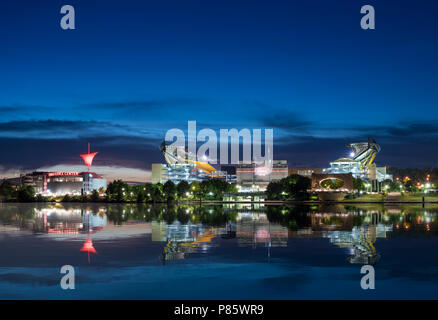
(146, 104)
(402, 129)
(49, 126)
(309, 151)
(22, 111)
(31, 144)
(27, 154)
(286, 120)
(123, 110)
(68, 129)
(411, 129)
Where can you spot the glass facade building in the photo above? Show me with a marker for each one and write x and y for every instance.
(346, 165)
(176, 173)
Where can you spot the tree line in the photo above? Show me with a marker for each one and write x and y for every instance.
(293, 187)
(120, 191)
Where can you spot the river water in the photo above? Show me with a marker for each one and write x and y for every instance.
(135, 251)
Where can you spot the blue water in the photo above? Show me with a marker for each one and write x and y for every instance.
(161, 252)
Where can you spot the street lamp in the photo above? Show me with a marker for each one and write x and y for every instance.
(367, 186)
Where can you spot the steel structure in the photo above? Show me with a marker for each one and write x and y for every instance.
(179, 155)
(88, 157)
(365, 152)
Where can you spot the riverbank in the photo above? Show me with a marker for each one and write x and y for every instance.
(219, 202)
(378, 198)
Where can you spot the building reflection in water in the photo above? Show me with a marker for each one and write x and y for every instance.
(341, 230)
(255, 230)
(58, 220)
(185, 232)
(182, 239)
(72, 221)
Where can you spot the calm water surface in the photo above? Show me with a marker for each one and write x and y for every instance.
(214, 252)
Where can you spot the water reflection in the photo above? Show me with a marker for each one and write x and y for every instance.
(182, 239)
(185, 231)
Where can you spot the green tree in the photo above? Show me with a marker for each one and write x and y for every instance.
(231, 188)
(141, 197)
(138, 193)
(358, 184)
(391, 186)
(149, 191)
(117, 191)
(169, 190)
(291, 187)
(296, 186)
(67, 198)
(25, 193)
(182, 188)
(275, 191)
(95, 196)
(410, 186)
(7, 191)
(195, 188)
(157, 193)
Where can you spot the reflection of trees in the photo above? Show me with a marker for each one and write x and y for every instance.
(292, 217)
(406, 217)
(25, 212)
(117, 214)
(169, 214)
(17, 213)
(182, 215)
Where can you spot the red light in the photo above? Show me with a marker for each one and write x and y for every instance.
(262, 171)
(88, 246)
(88, 158)
(53, 174)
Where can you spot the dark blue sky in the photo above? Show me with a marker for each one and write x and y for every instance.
(134, 69)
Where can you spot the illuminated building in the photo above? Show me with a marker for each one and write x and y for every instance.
(305, 172)
(182, 166)
(256, 176)
(360, 163)
(176, 173)
(37, 180)
(230, 172)
(92, 181)
(346, 165)
(61, 183)
(66, 182)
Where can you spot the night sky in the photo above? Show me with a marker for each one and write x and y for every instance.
(131, 70)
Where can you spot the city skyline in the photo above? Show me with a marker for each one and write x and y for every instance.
(125, 76)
